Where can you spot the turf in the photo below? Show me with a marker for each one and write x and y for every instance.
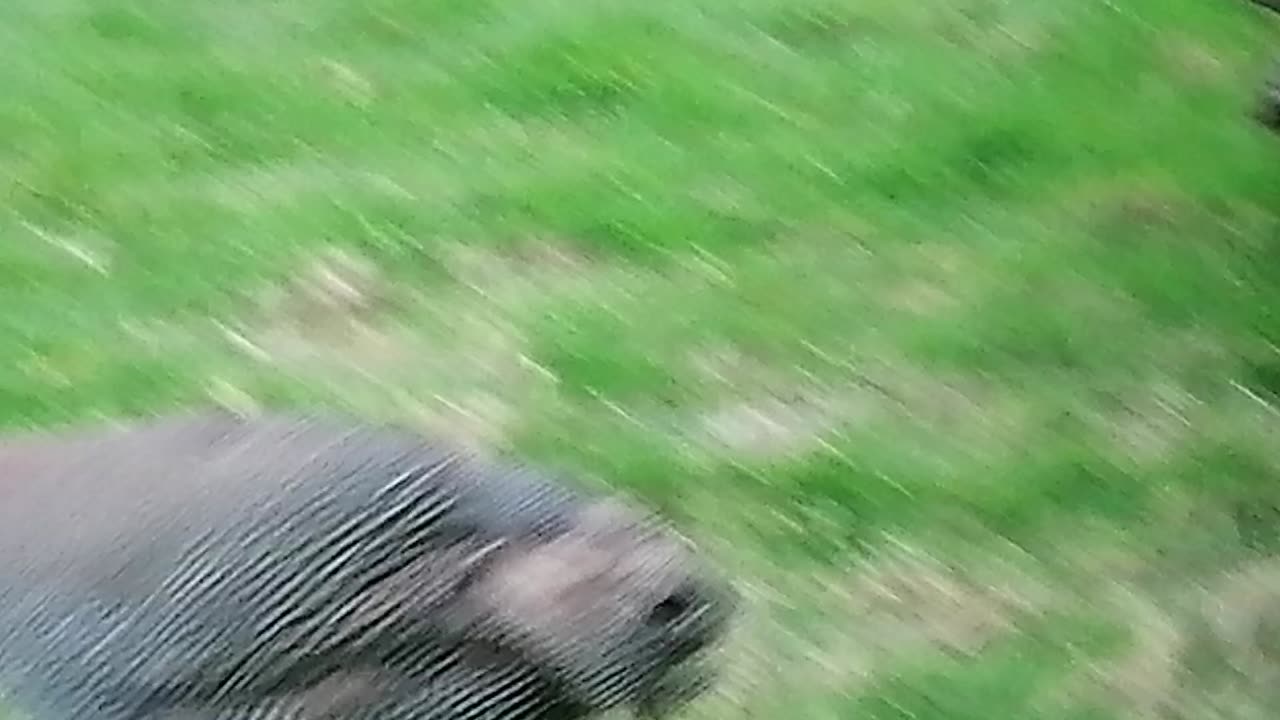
(949, 326)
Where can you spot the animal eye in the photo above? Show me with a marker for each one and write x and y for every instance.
(670, 609)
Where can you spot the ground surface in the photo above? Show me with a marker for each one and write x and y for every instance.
(948, 325)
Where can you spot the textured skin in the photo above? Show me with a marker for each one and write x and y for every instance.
(1268, 107)
(205, 566)
(1267, 110)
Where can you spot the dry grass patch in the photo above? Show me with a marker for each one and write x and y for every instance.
(452, 358)
(810, 633)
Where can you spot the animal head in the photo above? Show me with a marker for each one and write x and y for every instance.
(617, 610)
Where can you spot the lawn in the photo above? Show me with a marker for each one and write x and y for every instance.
(950, 327)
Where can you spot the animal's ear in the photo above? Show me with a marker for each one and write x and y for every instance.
(446, 573)
(607, 516)
(423, 589)
(628, 537)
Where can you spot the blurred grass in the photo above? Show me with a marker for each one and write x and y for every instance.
(828, 282)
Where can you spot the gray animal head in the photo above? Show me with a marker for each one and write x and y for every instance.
(618, 610)
(310, 567)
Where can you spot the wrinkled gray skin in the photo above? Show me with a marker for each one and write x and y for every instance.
(204, 566)
(1267, 110)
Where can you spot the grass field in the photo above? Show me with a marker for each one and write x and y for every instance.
(949, 326)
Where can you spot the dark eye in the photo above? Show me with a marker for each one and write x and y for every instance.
(670, 609)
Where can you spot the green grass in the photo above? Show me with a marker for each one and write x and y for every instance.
(1001, 278)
